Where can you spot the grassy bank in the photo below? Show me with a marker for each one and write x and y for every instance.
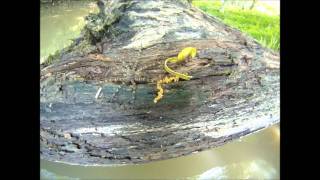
(264, 27)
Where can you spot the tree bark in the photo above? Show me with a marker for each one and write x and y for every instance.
(234, 90)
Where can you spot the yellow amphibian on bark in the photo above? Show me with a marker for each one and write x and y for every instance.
(185, 53)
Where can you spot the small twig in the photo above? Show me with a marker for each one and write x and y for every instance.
(98, 93)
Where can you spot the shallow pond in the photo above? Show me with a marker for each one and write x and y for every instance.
(60, 23)
(256, 156)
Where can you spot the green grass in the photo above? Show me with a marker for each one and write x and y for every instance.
(263, 27)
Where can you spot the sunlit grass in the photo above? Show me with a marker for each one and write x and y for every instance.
(265, 28)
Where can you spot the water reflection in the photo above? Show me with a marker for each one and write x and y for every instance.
(256, 169)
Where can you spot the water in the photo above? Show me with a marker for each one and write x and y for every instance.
(61, 23)
(255, 156)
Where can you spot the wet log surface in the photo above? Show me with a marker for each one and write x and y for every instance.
(234, 92)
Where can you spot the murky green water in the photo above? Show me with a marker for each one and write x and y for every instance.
(256, 156)
(61, 23)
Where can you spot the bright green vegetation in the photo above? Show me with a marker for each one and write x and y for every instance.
(264, 27)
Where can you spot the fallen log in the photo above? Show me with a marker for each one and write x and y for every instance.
(96, 101)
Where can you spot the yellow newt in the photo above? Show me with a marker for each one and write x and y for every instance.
(186, 52)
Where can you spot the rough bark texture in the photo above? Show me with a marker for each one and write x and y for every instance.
(234, 90)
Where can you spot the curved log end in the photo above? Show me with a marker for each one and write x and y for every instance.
(122, 125)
